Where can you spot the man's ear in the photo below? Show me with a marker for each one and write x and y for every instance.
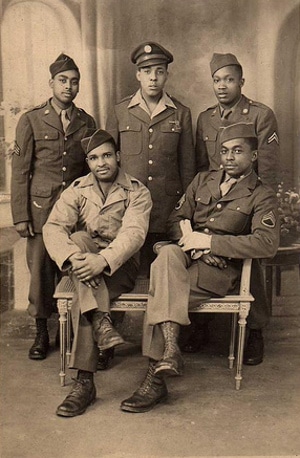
(242, 82)
(51, 83)
(138, 74)
(118, 156)
(254, 155)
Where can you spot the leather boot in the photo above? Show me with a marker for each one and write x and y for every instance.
(254, 350)
(104, 333)
(105, 358)
(81, 396)
(194, 338)
(40, 346)
(152, 391)
(172, 362)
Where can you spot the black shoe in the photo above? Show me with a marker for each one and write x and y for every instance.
(152, 391)
(105, 359)
(40, 346)
(81, 396)
(104, 333)
(254, 350)
(171, 364)
(198, 337)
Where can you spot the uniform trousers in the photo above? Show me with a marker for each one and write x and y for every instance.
(44, 275)
(84, 354)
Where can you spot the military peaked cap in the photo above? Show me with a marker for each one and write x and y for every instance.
(150, 53)
(62, 64)
(222, 60)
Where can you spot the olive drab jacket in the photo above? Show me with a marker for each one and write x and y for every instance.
(46, 160)
(117, 224)
(158, 151)
(243, 223)
(246, 110)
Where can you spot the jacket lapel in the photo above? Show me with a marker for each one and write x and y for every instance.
(51, 118)
(242, 188)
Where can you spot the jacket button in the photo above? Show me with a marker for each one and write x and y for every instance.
(173, 130)
(127, 127)
(66, 138)
(238, 208)
(150, 130)
(64, 169)
(63, 183)
(150, 162)
(46, 137)
(206, 138)
(211, 219)
(206, 230)
(64, 153)
(150, 178)
(219, 206)
(150, 146)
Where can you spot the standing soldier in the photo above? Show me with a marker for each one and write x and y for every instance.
(48, 156)
(154, 134)
(234, 107)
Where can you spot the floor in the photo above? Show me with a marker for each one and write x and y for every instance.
(204, 415)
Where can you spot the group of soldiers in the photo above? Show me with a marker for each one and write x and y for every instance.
(93, 202)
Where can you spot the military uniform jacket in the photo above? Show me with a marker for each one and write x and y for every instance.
(118, 224)
(158, 151)
(46, 161)
(263, 118)
(243, 224)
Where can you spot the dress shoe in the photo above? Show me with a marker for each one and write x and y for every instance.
(198, 337)
(105, 358)
(254, 350)
(172, 361)
(104, 333)
(152, 391)
(40, 347)
(81, 396)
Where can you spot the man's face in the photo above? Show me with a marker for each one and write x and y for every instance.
(103, 162)
(237, 157)
(65, 87)
(228, 85)
(152, 79)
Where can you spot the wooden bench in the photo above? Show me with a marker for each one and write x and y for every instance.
(136, 300)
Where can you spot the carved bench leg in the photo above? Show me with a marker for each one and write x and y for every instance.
(244, 310)
(69, 327)
(62, 310)
(231, 357)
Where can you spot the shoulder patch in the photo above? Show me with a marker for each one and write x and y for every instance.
(180, 202)
(269, 219)
(273, 138)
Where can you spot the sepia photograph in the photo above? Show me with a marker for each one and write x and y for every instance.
(149, 228)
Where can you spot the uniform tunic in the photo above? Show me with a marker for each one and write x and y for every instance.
(158, 151)
(243, 224)
(246, 110)
(115, 227)
(45, 161)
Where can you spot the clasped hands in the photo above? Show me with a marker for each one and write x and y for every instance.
(197, 243)
(88, 268)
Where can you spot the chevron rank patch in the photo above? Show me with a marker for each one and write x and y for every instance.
(273, 138)
(269, 219)
(180, 203)
(16, 149)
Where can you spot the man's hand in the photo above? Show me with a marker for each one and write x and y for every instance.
(88, 267)
(195, 241)
(213, 260)
(25, 229)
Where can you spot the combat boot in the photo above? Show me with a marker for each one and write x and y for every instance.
(152, 391)
(82, 395)
(254, 351)
(40, 346)
(104, 333)
(171, 362)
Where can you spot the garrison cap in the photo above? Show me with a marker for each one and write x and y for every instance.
(150, 53)
(99, 137)
(222, 60)
(238, 130)
(62, 64)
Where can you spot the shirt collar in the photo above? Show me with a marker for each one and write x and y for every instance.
(232, 109)
(164, 102)
(59, 110)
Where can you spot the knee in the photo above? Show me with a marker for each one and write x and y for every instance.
(169, 253)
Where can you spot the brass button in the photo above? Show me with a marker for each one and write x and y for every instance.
(211, 219)
(64, 169)
(150, 130)
(150, 161)
(150, 146)
(206, 230)
(150, 178)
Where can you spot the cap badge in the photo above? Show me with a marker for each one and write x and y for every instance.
(147, 49)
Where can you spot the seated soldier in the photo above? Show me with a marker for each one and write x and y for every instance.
(110, 211)
(232, 216)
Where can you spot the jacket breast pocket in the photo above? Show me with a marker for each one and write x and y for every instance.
(237, 219)
(170, 134)
(130, 137)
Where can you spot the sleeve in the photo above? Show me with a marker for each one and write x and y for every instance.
(268, 148)
(132, 234)
(202, 161)
(22, 161)
(184, 209)
(186, 151)
(262, 242)
(112, 126)
(60, 223)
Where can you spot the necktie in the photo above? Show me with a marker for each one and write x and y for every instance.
(64, 120)
(227, 185)
(226, 113)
